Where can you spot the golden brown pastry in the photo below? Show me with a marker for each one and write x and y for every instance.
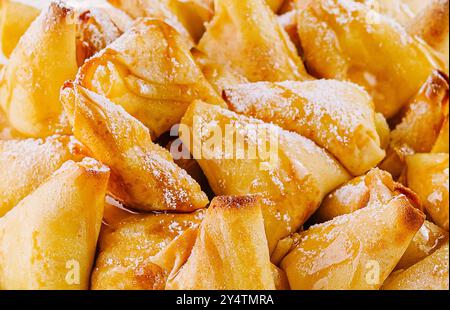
(230, 251)
(338, 116)
(97, 28)
(355, 251)
(151, 73)
(25, 164)
(432, 25)
(48, 241)
(15, 18)
(429, 274)
(341, 41)
(128, 253)
(376, 187)
(420, 125)
(187, 16)
(290, 171)
(427, 175)
(441, 145)
(29, 94)
(6, 131)
(220, 76)
(247, 36)
(144, 176)
(427, 240)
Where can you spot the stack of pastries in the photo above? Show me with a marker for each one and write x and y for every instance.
(97, 99)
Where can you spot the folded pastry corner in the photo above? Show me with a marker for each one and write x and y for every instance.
(230, 251)
(427, 175)
(150, 72)
(25, 164)
(338, 116)
(354, 251)
(430, 273)
(290, 171)
(42, 61)
(247, 36)
(143, 174)
(421, 123)
(49, 240)
(343, 40)
(140, 251)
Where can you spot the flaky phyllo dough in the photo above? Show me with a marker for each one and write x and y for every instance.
(224, 145)
(342, 40)
(338, 116)
(151, 73)
(43, 60)
(144, 175)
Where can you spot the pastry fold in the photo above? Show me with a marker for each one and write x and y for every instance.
(344, 40)
(420, 124)
(151, 73)
(246, 35)
(427, 175)
(357, 251)
(43, 60)
(15, 18)
(187, 16)
(25, 164)
(131, 251)
(49, 240)
(428, 274)
(338, 116)
(293, 179)
(144, 176)
(230, 251)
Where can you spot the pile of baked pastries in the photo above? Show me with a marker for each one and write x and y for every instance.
(96, 99)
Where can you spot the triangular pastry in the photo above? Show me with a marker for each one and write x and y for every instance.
(294, 183)
(427, 175)
(151, 73)
(30, 94)
(49, 240)
(128, 252)
(357, 251)
(346, 40)
(143, 174)
(246, 35)
(420, 124)
(25, 164)
(230, 251)
(428, 274)
(338, 116)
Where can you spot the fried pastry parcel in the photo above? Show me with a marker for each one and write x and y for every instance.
(187, 16)
(354, 251)
(428, 274)
(151, 73)
(421, 123)
(15, 18)
(247, 36)
(25, 164)
(144, 175)
(427, 175)
(378, 188)
(341, 40)
(43, 60)
(441, 145)
(230, 251)
(48, 241)
(290, 171)
(97, 28)
(338, 116)
(128, 253)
